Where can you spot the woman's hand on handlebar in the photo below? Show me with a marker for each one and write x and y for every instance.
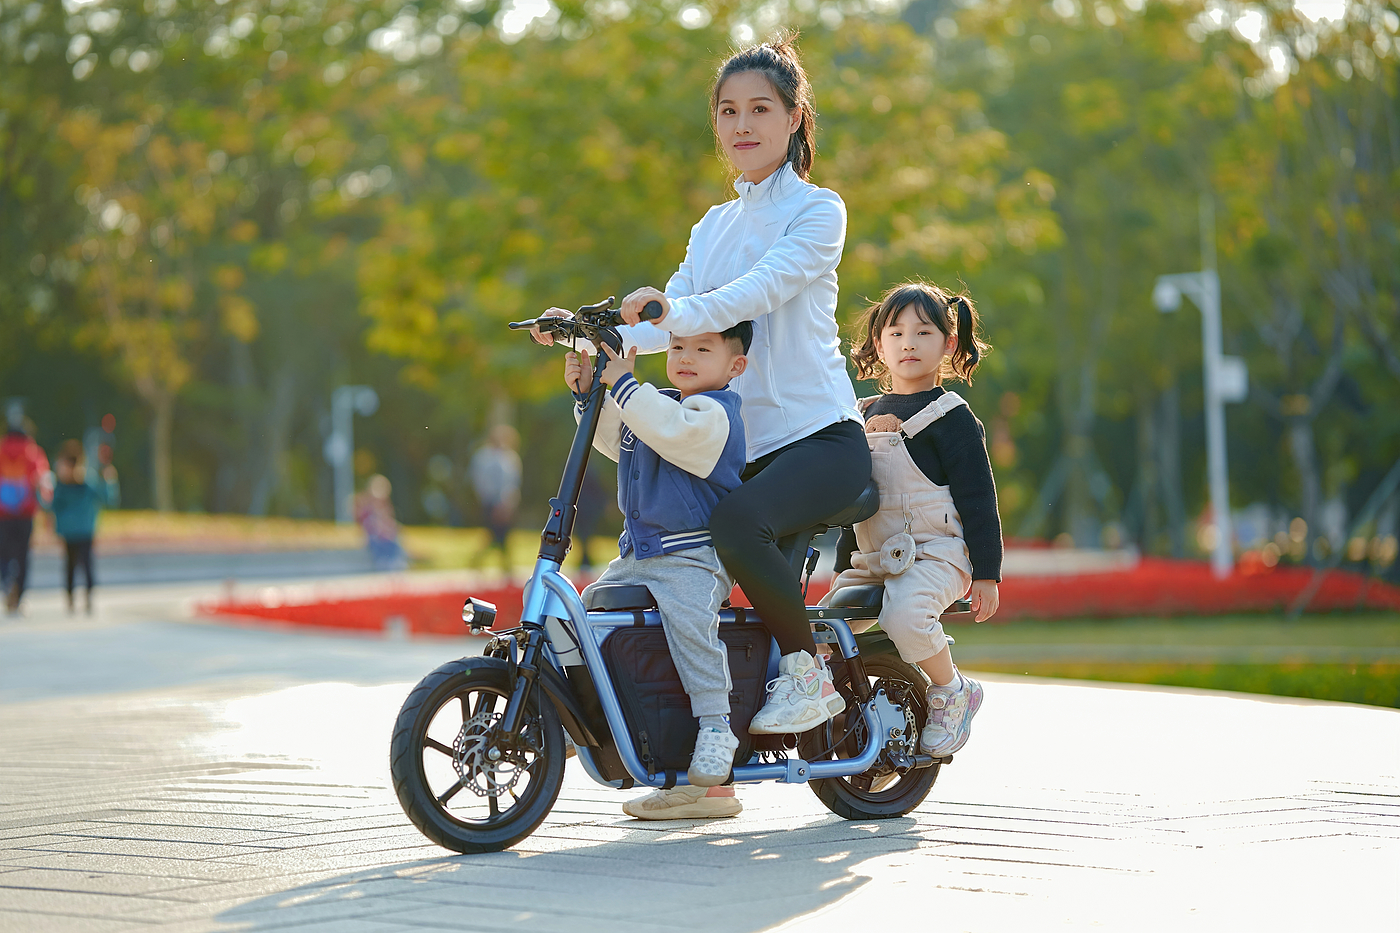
(548, 339)
(984, 598)
(578, 371)
(633, 304)
(618, 366)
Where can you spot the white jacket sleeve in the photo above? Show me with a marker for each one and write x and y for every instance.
(810, 248)
(608, 440)
(690, 433)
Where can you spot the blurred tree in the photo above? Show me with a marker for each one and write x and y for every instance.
(242, 205)
(1311, 177)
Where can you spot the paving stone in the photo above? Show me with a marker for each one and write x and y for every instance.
(15, 921)
(91, 882)
(76, 903)
(256, 803)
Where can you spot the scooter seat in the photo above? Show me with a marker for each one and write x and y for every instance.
(870, 596)
(866, 505)
(620, 596)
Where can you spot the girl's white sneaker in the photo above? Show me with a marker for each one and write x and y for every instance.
(950, 712)
(801, 697)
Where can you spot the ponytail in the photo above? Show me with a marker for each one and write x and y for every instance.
(778, 61)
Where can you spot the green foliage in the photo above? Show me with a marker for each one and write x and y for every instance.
(238, 206)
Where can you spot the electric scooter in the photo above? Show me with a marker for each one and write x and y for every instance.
(478, 750)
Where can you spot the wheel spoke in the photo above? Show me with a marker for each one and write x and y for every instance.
(485, 703)
(435, 745)
(495, 807)
(449, 793)
(862, 782)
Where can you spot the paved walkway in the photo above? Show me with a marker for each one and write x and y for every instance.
(159, 774)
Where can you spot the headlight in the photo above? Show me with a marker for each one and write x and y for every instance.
(478, 614)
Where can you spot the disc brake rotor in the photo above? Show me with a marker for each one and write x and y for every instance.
(488, 768)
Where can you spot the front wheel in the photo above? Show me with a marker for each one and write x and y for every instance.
(881, 793)
(464, 784)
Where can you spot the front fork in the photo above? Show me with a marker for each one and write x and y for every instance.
(527, 672)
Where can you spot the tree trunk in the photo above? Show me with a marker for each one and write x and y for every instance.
(1304, 449)
(162, 480)
(277, 427)
(1145, 503)
(1169, 467)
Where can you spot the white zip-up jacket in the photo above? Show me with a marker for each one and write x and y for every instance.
(770, 257)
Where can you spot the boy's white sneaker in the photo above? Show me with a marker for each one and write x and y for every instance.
(684, 803)
(713, 757)
(801, 697)
(950, 712)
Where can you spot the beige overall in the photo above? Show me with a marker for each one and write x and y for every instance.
(910, 501)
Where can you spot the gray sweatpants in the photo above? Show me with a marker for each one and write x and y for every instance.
(689, 586)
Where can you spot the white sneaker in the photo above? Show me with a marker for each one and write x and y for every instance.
(801, 697)
(713, 757)
(684, 803)
(950, 715)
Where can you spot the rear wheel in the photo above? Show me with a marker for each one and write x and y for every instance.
(464, 784)
(882, 792)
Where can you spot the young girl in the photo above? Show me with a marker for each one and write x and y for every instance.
(937, 530)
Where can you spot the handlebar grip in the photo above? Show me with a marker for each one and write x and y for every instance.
(651, 311)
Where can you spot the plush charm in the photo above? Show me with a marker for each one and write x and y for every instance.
(882, 423)
(897, 554)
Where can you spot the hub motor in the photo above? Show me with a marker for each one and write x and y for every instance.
(487, 767)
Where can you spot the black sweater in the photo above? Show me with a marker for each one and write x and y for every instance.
(952, 452)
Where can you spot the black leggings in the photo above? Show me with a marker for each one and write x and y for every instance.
(79, 554)
(14, 556)
(792, 488)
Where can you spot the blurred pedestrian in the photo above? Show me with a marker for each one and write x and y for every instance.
(374, 510)
(23, 485)
(77, 496)
(495, 475)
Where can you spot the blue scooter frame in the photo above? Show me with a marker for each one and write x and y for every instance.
(550, 599)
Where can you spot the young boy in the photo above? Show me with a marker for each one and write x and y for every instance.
(679, 451)
(76, 499)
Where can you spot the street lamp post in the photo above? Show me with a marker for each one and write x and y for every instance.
(1226, 380)
(346, 402)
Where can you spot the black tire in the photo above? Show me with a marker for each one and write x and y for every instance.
(880, 793)
(439, 735)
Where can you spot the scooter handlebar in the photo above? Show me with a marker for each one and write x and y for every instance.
(598, 315)
(650, 312)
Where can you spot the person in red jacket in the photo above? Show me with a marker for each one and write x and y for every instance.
(24, 472)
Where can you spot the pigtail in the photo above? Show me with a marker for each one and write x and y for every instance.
(864, 351)
(971, 348)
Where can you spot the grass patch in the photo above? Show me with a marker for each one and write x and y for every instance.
(1350, 657)
(1376, 684)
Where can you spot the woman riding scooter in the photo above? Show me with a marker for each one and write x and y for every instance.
(770, 256)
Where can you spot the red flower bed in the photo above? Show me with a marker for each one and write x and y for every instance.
(1153, 588)
(1158, 587)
